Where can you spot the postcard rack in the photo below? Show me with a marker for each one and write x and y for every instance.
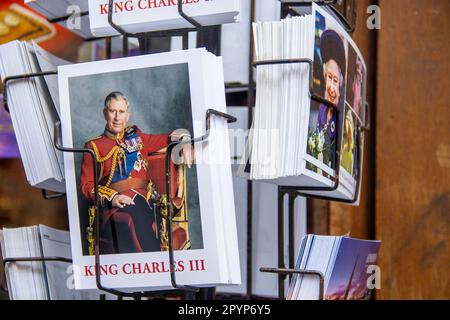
(282, 191)
(294, 192)
(300, 190)
(95, 221)
(287, 7)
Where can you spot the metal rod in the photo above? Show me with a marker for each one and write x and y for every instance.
(18, 77)
(48, 196)
(186, 17)
(66, 17)
(5, 261)
(115, 26)
(108, 47)
(314, 96)
(284, 272)
(250, 98)
(281, 265)
(291, 208)
(36, 259)
(185, 39)
(349, 27)
(366, 126)
(165, 33)
(125, 51)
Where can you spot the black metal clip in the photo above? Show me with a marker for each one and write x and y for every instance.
(18, 77)
(5, 261)
(51, 196)
(337, 157)
(314, 96)
(194, 23)
(96, 207)
(45, 193)
(139, 295)
(319, 99)
(284, 272)
(209, 112)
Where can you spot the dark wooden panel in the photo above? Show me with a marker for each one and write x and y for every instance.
(413, 149)
(318, 216)
(22, 205)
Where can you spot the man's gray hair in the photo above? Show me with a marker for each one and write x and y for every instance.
(115, 95)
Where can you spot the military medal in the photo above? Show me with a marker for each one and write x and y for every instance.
(133, 144)
(140, 144)
(130, 146)
(138, 163)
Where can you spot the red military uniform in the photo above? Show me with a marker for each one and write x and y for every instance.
(124, 169)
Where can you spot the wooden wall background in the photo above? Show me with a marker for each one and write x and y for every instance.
(406, 188)
(413, 148)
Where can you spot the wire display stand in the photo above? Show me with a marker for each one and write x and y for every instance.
(349, 24)
(295, 191)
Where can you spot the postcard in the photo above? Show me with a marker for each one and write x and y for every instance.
(128, 111)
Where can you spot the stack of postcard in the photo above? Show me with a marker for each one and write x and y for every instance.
(145, 16)
(50, 280)
(33, 104)
(128, 111)
(77, 21)
(348, 266)
(294, 137)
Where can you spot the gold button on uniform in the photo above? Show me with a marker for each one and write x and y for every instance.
(4, 29)
(11, 20)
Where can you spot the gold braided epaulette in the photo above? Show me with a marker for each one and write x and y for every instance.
(92, 139)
